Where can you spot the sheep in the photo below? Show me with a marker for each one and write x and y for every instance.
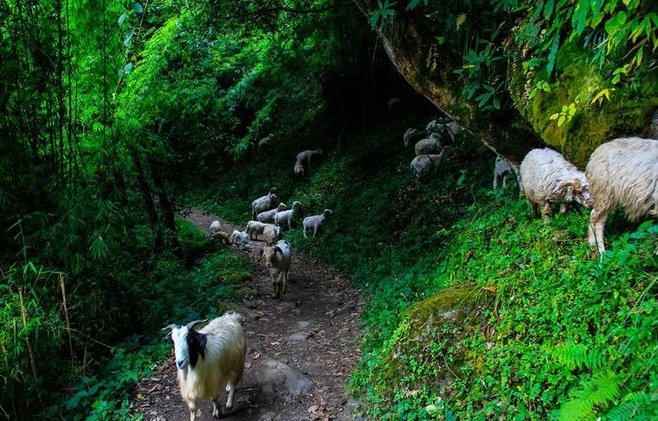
(306, 156)
(430, 145)
(240, 238)
(214, 227)
(441, 130)
(286, 216)
(277, 259)
(622, 173)
(254, 229)
(264, 144)
(423, 166)
(263, 203)
(395, 105)
(268, 216)
(548, 177)
(209, 360)
(222, 237)
(271, 234)
(314, 222)
(409, 135)
(299, 170)
(502, 170)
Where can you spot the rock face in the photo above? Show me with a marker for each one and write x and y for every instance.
(413, 43)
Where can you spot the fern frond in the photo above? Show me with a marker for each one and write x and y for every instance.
(637, 406)
(600, 390)
(578, 356)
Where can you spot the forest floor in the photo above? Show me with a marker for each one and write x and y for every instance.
(301, 348)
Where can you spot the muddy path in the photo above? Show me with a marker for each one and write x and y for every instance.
(302, 348)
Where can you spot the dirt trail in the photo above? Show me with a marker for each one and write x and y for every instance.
(301, 348)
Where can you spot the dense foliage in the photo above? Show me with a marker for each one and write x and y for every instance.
(116, 115)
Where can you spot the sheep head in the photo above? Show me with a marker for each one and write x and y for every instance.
(189, 344)
(576, 192)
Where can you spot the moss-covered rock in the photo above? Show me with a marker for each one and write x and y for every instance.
(628, 111)
(425, 352)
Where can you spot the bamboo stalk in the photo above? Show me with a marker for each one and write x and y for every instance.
(66, 314)
(33, 364)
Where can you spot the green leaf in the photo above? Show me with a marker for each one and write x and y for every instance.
(615, 23)
(552, 54)
(122, 18)
(137, 8)
(129, 34)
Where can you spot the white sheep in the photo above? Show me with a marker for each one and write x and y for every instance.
(299, 169)
(264, 144)
(622, 173)
(503, 169)
(408, 136)
(263, 203)
(271, 234)
(314, 222)
(424, 166)
(268, 215)
(439, 128)
(214, 227)
(307, 155)
(395, 105)
(254, 229)
(209, 360)
(427, 146)
(285, 217)
(548, 177)
(240, 238)
(277, 260)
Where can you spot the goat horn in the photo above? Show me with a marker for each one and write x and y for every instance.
(170, 327)
(191, 325)
(565, 183)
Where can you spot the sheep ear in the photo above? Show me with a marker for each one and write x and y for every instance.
(202, 339)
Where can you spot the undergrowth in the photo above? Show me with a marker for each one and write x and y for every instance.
(570, 336)
(174, 291)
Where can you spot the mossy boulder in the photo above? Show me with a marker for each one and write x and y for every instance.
(425, 353)
(602, 111)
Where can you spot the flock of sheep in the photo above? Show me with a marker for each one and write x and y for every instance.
(212, 358)
(429, 151)
(620, 173)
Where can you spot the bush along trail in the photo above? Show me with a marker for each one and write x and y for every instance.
(301, 348)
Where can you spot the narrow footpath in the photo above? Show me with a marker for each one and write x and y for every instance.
(302, 348)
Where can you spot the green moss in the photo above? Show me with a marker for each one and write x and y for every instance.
(628, 111)
(425, 353)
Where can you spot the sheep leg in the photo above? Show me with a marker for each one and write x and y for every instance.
(193, 408)
(563, 208)
(596, 228)
(275, 287)
(546, 210)
(284, 277)
(230, 389)
(216, 405)
(534, 208)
